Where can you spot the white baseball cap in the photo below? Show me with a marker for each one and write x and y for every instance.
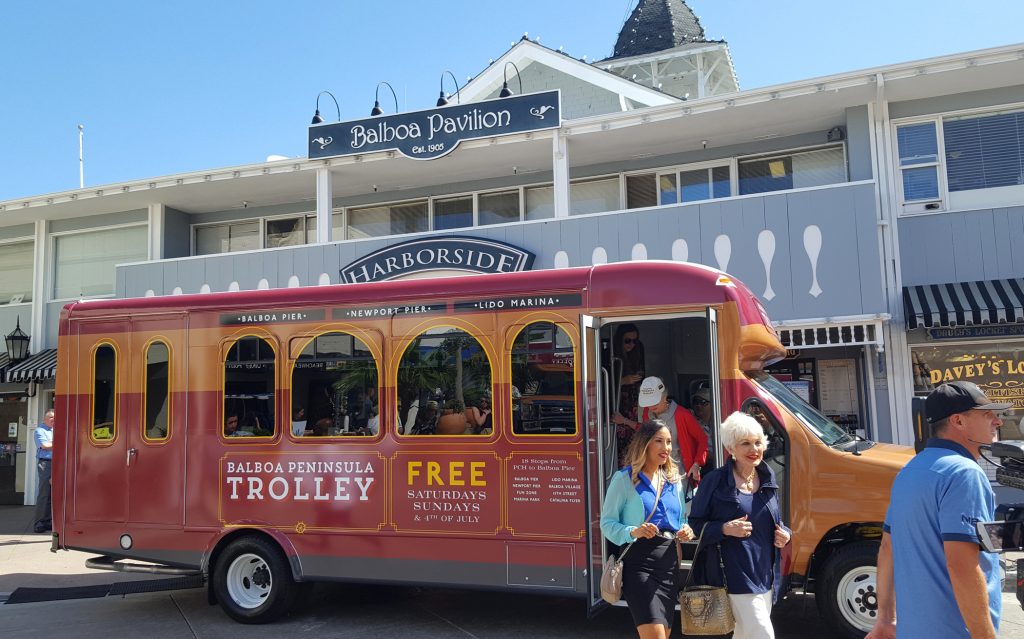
(652, 389)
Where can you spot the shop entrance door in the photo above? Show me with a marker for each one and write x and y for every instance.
(13, 458)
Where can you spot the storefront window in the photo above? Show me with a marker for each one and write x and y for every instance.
(997, 368)
(444, 385)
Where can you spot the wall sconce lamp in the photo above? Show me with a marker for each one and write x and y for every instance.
(376, 99)
(17, 343)
(505, 91)
(442, 100)
(316, 116)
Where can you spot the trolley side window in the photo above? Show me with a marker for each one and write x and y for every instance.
(157, 391)
(543, 381)
(104, 393)
(334, 388)
(249, 373)
(444, 385)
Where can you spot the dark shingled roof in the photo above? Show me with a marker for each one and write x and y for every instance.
(656, 25)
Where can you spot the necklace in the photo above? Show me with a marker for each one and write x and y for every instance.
(748, 481)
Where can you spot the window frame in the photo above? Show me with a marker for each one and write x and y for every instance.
(51, 279)
(31, 288)
(788, 153)
(402, 347)
(92, 393)
(968, 200)
(160, 441)
(226, 345)
(298, 343)
(732, 163)
(512, 334)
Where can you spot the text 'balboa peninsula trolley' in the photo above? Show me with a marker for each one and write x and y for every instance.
(448, 432)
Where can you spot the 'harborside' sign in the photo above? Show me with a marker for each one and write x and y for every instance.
(469, 254)
(425, 135)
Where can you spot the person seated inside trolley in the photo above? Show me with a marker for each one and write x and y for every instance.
(234, 427)
(426, 420)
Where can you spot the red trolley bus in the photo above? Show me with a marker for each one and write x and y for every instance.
(450, 431)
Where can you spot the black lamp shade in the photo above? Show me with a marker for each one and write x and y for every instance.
(316, 117)
(505, 91)
(17, 343)
(376, 109)
(442, 100)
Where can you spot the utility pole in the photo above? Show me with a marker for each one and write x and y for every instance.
(81, 164)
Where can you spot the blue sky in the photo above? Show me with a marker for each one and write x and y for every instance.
(182, 85)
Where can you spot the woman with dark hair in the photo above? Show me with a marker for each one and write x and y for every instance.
(480, 416)
(628, 364)
(644, 508)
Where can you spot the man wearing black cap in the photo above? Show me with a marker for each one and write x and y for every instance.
(933, 576)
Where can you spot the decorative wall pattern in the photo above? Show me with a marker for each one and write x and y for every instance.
(806, 254)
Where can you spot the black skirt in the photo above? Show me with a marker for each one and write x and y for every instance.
(650, 581)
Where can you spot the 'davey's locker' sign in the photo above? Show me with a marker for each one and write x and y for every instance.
(425, 135)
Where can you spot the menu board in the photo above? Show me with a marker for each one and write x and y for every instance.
(837, 386)
(545, 494)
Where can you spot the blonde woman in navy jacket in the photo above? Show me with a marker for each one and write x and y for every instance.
(650, 576)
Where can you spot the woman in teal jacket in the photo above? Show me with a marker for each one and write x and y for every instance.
(644, 507)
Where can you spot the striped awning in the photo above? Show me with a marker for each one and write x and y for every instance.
(36, 368)
(965, 303)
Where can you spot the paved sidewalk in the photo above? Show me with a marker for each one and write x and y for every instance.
(26, 560)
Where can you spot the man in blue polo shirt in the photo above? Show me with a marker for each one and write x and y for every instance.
(933, 578)
(44, 458)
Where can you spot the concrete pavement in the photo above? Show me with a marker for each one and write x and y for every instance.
(325, 610)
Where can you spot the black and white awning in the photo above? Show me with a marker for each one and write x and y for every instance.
(964, 303)
(36, 368)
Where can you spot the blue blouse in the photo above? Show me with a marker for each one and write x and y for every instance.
(626, 507)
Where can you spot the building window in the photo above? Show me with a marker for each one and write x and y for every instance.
(543, 381)
(803, 169)
(228, 238)
(393, 219)
(16, 264)
(334, 388)
(962, 161)
(498, 208)
(84, 262)
(594, 196)
(104, 393)
(444, 385)
(249, 389)
(156, 390)
(540, 202)
(453, 213)
(641, 191)
(289, 231)
(683, 185)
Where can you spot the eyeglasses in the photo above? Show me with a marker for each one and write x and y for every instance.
(700, 402)
(630, 340)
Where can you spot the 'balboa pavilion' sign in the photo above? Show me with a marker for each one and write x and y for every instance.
(425, 135)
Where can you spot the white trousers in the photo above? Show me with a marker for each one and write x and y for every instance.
(753, 616)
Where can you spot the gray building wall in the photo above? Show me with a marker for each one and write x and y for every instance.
(858, 143)
(97, 221)
(957, 102)
(962, 246)
(20, 231)
(177, 235)
(840, 276)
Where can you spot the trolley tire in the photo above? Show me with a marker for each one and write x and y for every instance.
(253, 581)
(847, 592)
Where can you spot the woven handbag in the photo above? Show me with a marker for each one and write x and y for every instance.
(611, 567)
(706, 610)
